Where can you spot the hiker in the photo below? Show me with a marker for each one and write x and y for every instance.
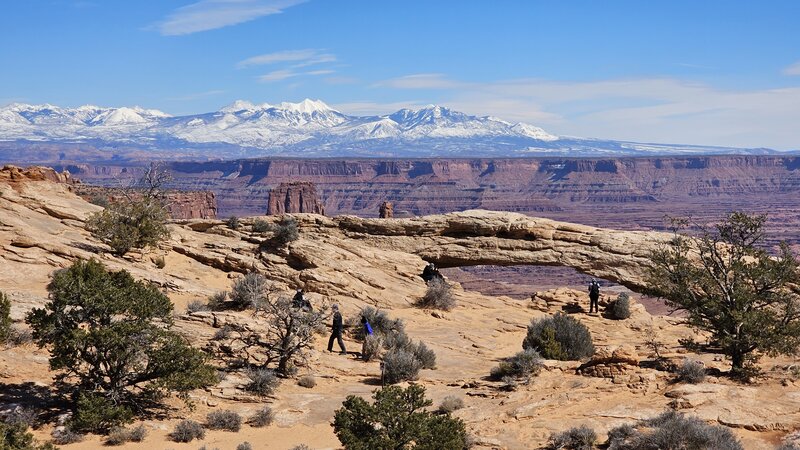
(430, 272)
(594, 296)
(336, 332)
(300, 301)
(367, 332)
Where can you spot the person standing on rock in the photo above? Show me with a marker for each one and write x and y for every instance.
(336, 332)
(594, 296)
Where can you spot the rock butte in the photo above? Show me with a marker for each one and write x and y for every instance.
(357, 262)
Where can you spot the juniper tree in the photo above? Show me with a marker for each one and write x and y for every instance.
(732, 288)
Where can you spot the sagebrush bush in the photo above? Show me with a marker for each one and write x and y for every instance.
(425, 356)
(244, 446)
(66, 436)
(691, 371)
(400, 365)
(525, 364)
(300, 447)
(620, 309)
(559, 337)
(372, 347)
(577, 438)
(117, 436)
(249, 292)
(160, 262)
(137, 433)
(224, 420)
(217, 301)
(261, 226)
(197, 306)
(233, 223)
(19, 336)
(285, 231)
(222, 333)
(672, 431)
(451, 403)
(438, 296)
(262, 418)
(307, 381)
(262, 381)
(187, 431)
(397, 339)
(379, 320)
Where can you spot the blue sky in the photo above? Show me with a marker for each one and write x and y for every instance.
(703, 72)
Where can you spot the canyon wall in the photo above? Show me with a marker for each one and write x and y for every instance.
(180, 204)
(625, 193)
(296, 197)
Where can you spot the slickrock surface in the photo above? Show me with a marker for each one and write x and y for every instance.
(356, 262)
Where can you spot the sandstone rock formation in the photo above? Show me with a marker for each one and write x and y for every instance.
(10, 173)
(386, 210)
(358, 262)
(295, 197)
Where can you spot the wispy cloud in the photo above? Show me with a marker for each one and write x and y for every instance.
(284, 74)
(212, 14)
(421, 81)
(301, 58)
(793, 70)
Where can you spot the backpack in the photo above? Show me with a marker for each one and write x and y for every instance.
(368, 327)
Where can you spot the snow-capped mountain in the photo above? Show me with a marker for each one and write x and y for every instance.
(307, 128)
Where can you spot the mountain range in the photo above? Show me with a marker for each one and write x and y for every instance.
(310, 128)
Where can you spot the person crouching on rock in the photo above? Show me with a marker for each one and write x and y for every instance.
(336, 332)
(300, 301)
(367, 332)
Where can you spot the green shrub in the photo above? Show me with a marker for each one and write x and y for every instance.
(438, 296)
(285, 231)
(233, 223)
(224, 420)
(559, 337)
(399, 365)
(451, 403)
(396, 420)
(525, 364)
(95, 413)
(261, 226)
(91, 312)
(131, 224)
(262, 381)
(187, 431)
(578, 438)
(692, 372)
(620, 309)
(15, 436)
(672, 431)
(5, 318)
(262, 418)
(307, 381)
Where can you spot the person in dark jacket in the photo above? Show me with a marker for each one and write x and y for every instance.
(594, 296)
(430, 272)
(336, 332)
(300, 301)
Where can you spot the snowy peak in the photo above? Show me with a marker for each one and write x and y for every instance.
(50, 115)
(307, 106)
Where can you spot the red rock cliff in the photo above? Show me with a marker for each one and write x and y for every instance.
(298, 197)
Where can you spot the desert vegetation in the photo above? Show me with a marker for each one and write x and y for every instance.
(732, 288)
(559, 337)
(397, 418)
(111, 342)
